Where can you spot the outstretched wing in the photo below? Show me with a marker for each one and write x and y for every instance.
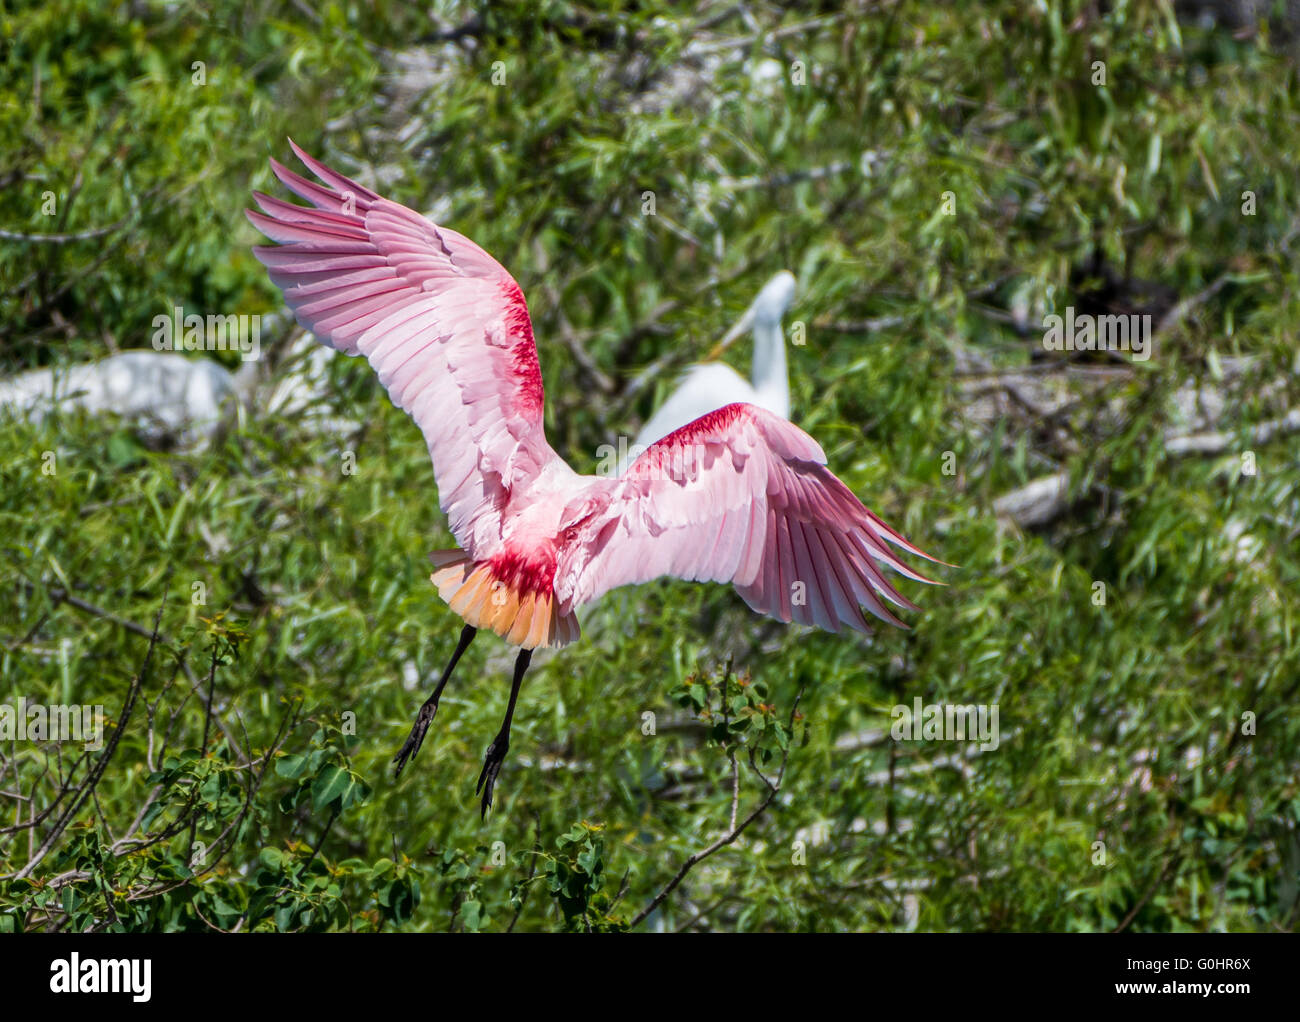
(740, 495)
(441, 321)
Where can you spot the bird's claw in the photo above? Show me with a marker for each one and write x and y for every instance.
(487, 778)
(416, 738)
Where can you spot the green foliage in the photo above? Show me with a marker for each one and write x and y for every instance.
(575, 876)
(736, 712)
(1158, 724)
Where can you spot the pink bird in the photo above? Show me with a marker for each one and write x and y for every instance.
(739, 495)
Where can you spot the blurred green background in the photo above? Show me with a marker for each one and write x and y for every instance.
(1138, 635)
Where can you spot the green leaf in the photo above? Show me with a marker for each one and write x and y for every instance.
(290, 766)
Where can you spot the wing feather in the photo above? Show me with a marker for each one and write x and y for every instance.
(739, 495)
(442, 323)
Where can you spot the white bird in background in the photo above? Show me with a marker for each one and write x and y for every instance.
(711, 385)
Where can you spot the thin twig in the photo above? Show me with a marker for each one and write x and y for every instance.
(97, 771)
(1164, 874)
(59, 239)
(733, 833)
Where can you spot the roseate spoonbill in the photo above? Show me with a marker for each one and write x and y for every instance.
(712, 384)
(739, 495)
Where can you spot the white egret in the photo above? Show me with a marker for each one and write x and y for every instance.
(710, 385)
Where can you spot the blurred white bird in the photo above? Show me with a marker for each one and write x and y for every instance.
(711, 385)
(167, 393)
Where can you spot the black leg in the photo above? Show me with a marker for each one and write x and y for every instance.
(496, 753)
(425, 717)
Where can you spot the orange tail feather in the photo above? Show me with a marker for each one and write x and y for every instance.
(526, 619)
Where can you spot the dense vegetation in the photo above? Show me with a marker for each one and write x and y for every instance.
(257, 622)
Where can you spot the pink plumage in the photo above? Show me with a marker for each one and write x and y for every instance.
(739, 495)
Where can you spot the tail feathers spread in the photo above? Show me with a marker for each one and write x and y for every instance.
(523, 619)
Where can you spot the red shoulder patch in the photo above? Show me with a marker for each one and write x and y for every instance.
(707, 425)
(666, 456)
(529, 394)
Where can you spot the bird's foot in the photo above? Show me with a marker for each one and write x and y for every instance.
(416, 738)
(487, 779)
